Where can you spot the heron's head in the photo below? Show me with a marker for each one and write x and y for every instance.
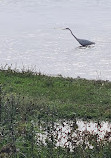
(66, 28)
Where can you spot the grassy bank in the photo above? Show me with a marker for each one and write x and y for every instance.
(30, 101)
(70, 97)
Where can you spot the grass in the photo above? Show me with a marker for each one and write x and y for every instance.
(88, 99)
(29, 101)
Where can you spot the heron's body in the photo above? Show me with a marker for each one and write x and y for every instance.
(83, 42)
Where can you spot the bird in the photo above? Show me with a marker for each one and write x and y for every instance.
(82, 42)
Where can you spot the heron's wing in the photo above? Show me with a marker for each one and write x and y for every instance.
(85, 42)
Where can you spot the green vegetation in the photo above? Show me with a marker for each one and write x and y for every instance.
(29, 105)
(83, 98)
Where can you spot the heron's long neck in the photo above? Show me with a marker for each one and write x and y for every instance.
(73, 35)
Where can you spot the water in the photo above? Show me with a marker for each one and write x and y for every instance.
(31, 36)
(72, 133)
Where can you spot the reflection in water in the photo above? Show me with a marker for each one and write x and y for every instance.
(82, 47)
(28, 36)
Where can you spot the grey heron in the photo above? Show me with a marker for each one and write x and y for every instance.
(83, 42)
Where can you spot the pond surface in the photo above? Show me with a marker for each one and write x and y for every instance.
(31, 36)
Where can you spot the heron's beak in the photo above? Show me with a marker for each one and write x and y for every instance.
(58, 28)
(63, 29)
